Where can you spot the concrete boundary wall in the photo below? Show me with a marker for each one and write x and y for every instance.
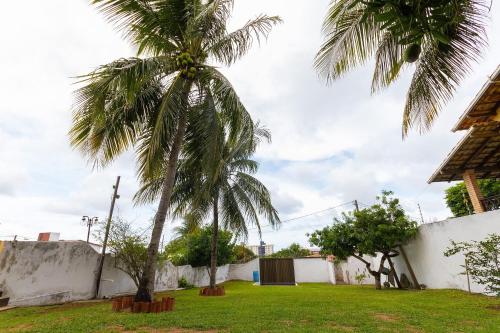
(37, 273)
(425, 252)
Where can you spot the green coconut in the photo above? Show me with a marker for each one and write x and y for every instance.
(412, 53)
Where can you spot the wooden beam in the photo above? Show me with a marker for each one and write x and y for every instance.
(475, 194)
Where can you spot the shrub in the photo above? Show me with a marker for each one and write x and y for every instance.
(482, 260)
(183, 283)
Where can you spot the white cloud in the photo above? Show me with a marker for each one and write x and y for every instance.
(331, 144)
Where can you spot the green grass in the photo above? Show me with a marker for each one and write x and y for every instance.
(304, 308)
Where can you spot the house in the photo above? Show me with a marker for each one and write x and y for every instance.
(477, 155)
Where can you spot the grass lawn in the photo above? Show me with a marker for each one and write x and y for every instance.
(304, 308)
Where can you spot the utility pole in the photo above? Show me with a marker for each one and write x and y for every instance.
(356, 206)
(421, 216)
(106, 234)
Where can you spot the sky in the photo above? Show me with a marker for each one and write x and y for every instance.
(331, 144)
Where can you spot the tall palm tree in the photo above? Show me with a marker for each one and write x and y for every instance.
(443, 38)
(146, 101)
(220, 184)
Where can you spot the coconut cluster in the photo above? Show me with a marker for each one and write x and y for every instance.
(186, 65)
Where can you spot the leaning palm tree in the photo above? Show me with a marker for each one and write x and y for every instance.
(442, 38)
(221, 184)
(146, 102)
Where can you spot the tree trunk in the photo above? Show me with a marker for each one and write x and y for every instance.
(398, 283)
(213, 250)
(146, 285)
(378, 275)
(378, 284)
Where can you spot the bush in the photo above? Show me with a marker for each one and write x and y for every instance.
(183, 283)
(482, 260)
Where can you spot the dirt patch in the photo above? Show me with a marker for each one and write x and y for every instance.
(386, 317)
(19, 328)
(413, 329)
(287, 323)
(495, 307)
(67, 306)
(342, 328)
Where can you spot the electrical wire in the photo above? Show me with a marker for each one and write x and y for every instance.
(306, 215)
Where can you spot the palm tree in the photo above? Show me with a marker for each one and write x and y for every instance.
(146, 101)
(220, 183)
(443, 38)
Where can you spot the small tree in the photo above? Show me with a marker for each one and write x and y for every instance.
(293, 251)
(482, 260)
(458, 200)
(176, 251)
(380, 228)
(242, 254)
(129, 248)
(199, 246)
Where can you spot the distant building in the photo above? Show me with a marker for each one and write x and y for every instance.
(261, 250)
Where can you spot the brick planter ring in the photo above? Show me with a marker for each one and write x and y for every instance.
(127, 303)
(217, 291)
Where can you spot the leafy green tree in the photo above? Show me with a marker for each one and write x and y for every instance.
(381, 228)
(199, 246)
(242, 254)
(219, 183)
(458, 200)
(176, 251)
(293, 251)
(482, 260)
(151, 102)
(442, 38)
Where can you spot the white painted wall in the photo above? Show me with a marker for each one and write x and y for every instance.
(425, 252)
(243, 272)
(351, 267)
(36, 273)
(312, 270)
(47, 272)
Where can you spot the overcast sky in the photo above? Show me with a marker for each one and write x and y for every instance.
(331, 144)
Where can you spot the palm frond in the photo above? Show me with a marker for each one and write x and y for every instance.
(112, 106)
(260, 196)
(156, 140)
(388, 62)
(155, 26)
(236, 44)
(210, 22)
(439, 71)
(351, 38)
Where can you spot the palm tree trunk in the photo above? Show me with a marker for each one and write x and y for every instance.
(146, 285)
(213, 250)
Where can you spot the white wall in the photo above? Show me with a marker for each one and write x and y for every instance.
(312, 270)
(47, 272)
(348, 269)
(425, 252)
(37, 273)
(243, 272)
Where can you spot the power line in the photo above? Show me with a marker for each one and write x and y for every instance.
(306, 215)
